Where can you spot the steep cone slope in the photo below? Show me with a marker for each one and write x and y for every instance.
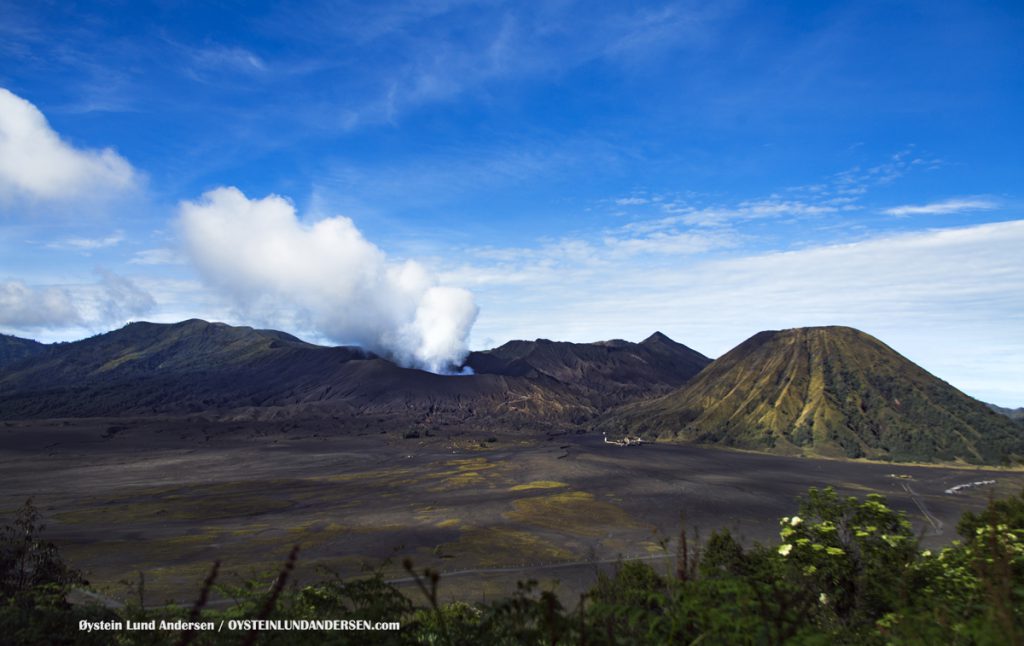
(830, 391)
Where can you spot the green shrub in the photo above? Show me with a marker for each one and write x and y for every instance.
(844, 571)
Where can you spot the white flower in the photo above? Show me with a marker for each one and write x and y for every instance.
(785, 549)
(796, 521)
(823, 598)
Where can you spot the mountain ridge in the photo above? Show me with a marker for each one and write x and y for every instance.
(194, 366)
(829, 391)
(832, 391)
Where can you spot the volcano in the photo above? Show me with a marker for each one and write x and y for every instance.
(828, 391)
(198, 367)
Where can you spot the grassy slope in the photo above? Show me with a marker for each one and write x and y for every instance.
(831, 391)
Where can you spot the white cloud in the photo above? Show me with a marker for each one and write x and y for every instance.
(89, 244)
(111, 301)
(667, 243)
(632, 201)
(122, 300)
(857, 181)
(949, 299)
(160, 256)
(234, 58)
(36, 163)
(425, 64)
(269, 262)
(943, 208)
(772, 207)
(26, 307)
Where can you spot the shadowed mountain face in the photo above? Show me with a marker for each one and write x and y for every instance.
(155, 368)
(830, 391)
(13, 349)
(195, 366)
(605, 373)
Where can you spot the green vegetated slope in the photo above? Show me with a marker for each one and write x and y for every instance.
(831, 391)
(1013, 413)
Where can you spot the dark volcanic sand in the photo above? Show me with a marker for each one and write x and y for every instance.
(168, 496)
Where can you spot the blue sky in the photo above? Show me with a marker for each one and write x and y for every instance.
(493, 170)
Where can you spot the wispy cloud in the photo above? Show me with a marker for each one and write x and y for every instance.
(632, 201)
(88, 244)
(941, 297)
(838, 194)
(747, 210)
(675, 243)
(856, 181)
(161, 256)
(223, 57)
(25, 306)
(121, 298)
(112, 300)
(417, 54)
(223, 66)
(461, 171)
(945, 207)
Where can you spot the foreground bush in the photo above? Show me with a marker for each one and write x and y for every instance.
(844, 571)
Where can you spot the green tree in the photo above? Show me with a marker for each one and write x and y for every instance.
(30, 565)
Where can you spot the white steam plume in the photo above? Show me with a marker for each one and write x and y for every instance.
(260, 254)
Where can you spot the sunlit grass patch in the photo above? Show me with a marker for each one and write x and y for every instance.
(116, 512)
(193, 502)
(463, 472)
(170, 546)
(396, 477)
(539, 484)
(857, 487)
(572, 512)
(651, 547)
(500, 546)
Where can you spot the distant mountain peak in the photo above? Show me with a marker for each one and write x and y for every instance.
(196, 365)
(829, 390)
(657, 337)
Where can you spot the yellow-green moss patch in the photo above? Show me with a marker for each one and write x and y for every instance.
(572, 512)
(501, 546)
(539, 484)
